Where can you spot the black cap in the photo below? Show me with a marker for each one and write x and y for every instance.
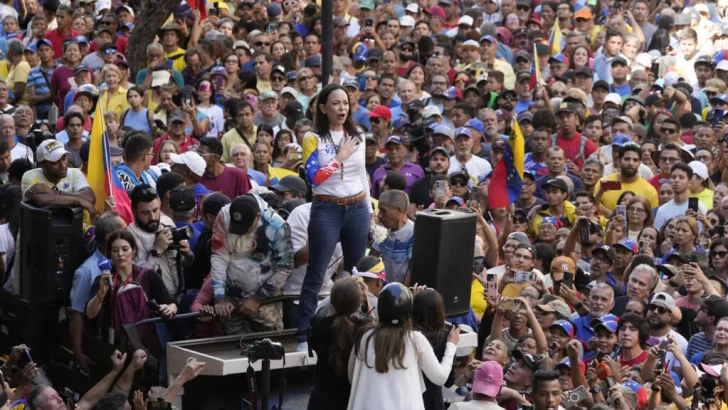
(607, 251)
(243, 211)
(528, 359)
(585, 71)
(288, 207)
(618, 60)
(213, 203)
(394, 305)
(716, 306)
(182, 199)
(566, 107)
(600, 84)
(294, 111)
(556, 183)
(291, 183)
(542, 49)
(375, 54)
(523, 75)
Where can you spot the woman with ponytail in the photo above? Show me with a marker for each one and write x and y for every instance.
(387, 362)
(332, 338)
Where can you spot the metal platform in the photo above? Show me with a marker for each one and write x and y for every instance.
(222, 354)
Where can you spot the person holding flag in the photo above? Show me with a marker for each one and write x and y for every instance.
(507, 178)
(102, 179)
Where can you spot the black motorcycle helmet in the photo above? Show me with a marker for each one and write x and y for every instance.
(394, 304)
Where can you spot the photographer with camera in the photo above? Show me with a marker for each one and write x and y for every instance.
(154, 235)
(252, 257)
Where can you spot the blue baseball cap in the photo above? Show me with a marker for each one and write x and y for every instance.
(351, 82)
(476, 125)
(487, 38)
(463, 131)
(558, 57)
(291, 75)
(452, 93)
(627, 244)
(361, 53)
(620, 140)
(610, 325)
(32, 48)
(720, 98)
(43, 41)
(400, 122)
(81, 68)
(313, 61)
(565, 362)
(564, 325)
(456, 199)
(550, 220)
(82, 40)
(394, 139)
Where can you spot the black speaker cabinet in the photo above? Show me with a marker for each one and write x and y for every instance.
(51, 248)
(442, 256)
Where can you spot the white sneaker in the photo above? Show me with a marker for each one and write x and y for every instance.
(302, 347)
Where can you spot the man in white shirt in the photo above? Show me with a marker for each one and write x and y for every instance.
(681, 176)
(476, 167)
(7, 133)
(659, 316)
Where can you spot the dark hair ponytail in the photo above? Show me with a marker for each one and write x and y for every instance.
(345, 300)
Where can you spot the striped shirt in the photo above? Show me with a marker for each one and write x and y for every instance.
(42, 87)
(698, 344)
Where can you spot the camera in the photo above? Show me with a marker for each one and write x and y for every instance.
(263, 350)
(182, 234)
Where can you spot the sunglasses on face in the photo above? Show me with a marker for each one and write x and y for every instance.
(110, 51)
(262, 44)
(523, 8)
(305, 77)
(459, 183)
(668, 130)
(519, 220)
(278, 79)
(660, 309)
(721, 254)
(204, 87)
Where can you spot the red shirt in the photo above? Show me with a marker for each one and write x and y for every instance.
(120, 44)
(233, 182)
(655, 181)
(634, 362)
(56, 39)
(571, 148)
(188, 142)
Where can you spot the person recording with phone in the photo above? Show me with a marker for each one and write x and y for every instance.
(609, 189)
(155, 245)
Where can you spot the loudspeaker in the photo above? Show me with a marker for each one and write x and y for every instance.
(51, 248)
(442, 255)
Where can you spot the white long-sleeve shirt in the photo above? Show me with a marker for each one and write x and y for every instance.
(397, 389)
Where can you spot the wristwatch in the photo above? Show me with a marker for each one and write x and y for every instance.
(595, 389)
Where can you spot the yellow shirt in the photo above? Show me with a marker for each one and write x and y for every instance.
(569, 213)
(263, 85)
(231, 138)
(640, 187)
(513, 290)
(117, 103)
(477, 298)
(4, 69)
(705, 196)
(179, 62)
(19, 74)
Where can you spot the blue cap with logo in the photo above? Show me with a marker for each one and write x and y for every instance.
(463, 131)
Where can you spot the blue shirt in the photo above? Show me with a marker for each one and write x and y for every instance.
(522, 106)
(256, 176)
(82, 281)
(42, 87)
(361, 116)
(613, 283)
(176, 76)
(201, 191)
(195, 229)
(582, 329)
(623, 91)
(538, 169)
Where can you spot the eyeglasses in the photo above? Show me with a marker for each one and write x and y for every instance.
(370, 77)
(407, 49)
(668, 130)
(276, 79)
(721, 254)
(669, 159)
(523, 257)
(262, 44)
(636, 210)
(660, 309)
(305, 77)
(519, 220)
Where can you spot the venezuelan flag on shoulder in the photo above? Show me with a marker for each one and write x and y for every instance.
(101, 176)
(507, 179)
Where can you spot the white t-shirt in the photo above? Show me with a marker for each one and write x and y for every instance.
(217, 120)
(477, 167)
(73, 182)
(7, 244)
(671, 209)
(298, 221)
(21, 151)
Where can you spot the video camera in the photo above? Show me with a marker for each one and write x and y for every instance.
(263, 350)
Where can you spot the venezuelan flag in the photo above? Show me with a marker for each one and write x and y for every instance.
(536, 69)
(200, 5)
(507, 180)
(556, 41)
(101, 176)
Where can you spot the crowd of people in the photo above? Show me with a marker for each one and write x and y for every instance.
(600, 284)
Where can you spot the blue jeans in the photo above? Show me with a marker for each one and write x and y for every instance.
(330, 223)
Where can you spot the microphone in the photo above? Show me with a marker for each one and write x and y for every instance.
(105, 264)
(605, 373)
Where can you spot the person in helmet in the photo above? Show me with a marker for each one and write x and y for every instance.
(388, 359)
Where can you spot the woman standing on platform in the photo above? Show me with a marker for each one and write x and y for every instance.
(333, 158)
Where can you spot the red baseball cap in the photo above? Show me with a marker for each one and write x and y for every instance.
(436, 11)
(381, 111)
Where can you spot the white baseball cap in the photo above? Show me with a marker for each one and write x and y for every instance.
(699, 169)
(431, 110)
(192, 160)
(413, 8)
(466, 20)
(289, 90)
(50, 150)
(723, 65)
(613, 98)
(407, 21)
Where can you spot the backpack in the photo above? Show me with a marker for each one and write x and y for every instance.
(130, 305)
(582, 144)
